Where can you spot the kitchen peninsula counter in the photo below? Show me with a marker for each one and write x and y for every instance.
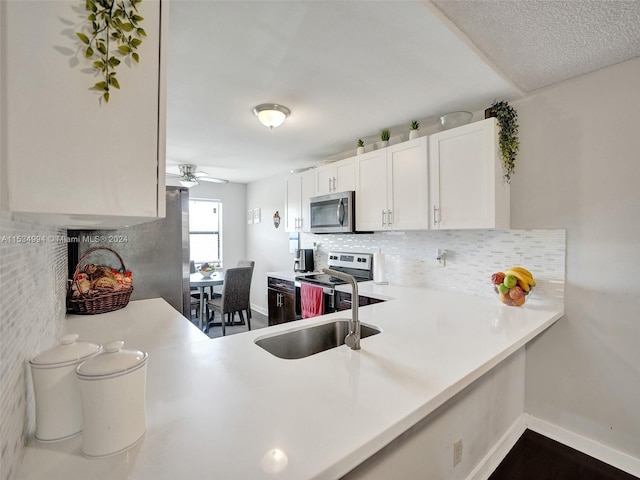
(225, 408)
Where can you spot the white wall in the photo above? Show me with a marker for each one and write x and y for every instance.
(233, 198)
(579, 169)
(267, 245)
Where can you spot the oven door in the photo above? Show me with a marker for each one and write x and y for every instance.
(328, 299)
(333, 213)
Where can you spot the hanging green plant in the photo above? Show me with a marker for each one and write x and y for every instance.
(509, 143)
(114, 30)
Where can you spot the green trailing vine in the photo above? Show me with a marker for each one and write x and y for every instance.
(509, 143)
(114, 30)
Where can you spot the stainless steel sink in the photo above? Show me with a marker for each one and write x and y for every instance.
(311, 340)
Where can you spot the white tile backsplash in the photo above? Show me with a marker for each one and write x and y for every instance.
(33, 277)
(471, 256)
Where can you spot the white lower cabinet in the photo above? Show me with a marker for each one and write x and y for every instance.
(467, 189)
(392, 188)
(299, 189)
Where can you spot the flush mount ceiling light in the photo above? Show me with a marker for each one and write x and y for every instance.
(271, 114)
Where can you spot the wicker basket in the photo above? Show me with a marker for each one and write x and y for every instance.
(101, 302)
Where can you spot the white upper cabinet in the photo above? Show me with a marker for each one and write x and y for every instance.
(336, 177)
(299, 189)
(392, 188)
(467, 186)
(69, 159)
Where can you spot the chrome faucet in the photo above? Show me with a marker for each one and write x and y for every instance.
(352, 340)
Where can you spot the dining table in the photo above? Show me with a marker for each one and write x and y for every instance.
(197, 280)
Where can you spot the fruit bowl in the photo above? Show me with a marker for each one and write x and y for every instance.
(507, 300)
(513, 285)
(206, 274)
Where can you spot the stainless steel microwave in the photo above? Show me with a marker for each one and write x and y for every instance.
(333, 213)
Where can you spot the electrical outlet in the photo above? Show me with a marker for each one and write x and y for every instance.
(457, 452)
(440, 254)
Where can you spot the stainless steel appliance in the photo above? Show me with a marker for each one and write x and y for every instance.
(303, 260)
(156, 252)
(333, 213)
(360, 265)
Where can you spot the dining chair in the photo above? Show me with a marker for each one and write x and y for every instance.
(234, 298)
(247, 263)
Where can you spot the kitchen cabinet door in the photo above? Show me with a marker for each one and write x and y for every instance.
(71, 160)
(281, 301)
(467, 186)
(337, 177)
(325, 179)
(299, 189)
(392, 188)
(345, 175)
(371, 190)
(293, 206)
(408, 186)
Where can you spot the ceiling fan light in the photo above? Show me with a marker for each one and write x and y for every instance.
(271, 114)
(188, 183)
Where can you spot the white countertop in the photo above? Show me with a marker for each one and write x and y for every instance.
(227, 409)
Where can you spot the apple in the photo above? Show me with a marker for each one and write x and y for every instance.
(497, 278)
(516, 293)
(510, 281)
(503, 289)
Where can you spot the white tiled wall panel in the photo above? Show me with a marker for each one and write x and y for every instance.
(33, 273)
(471, 256)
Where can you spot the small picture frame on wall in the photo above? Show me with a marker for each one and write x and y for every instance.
(249, 217)
(256, 215)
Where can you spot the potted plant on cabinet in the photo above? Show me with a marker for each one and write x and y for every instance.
(360, 149)
(384, 137)
(509, 142)
(413, 132)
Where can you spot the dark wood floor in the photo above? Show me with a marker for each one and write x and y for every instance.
(536, 457)
(257, 321)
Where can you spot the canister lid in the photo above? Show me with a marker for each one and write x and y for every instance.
(68, 353)
(114, 361)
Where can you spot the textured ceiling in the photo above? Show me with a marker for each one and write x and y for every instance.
(347, 69)
(542, 42)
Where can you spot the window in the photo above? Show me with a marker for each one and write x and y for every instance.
(205, 231)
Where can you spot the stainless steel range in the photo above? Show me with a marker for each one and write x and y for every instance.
(359, 265)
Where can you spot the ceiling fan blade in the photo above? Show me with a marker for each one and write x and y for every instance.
(212, 179)
(173, 175)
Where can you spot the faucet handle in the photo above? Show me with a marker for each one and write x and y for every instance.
(352, 340)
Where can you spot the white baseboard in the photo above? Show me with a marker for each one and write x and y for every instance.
(491, 461)
(613, 457)
(260, 310)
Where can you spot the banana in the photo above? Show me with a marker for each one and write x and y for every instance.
(523, 275)
(520, 278)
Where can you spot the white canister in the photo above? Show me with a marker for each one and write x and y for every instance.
(112, 387)
(58, 405)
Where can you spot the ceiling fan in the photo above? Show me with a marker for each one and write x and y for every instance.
(190, 177)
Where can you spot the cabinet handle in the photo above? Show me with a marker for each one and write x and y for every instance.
(435, 215)
(383, 221)
(300, 224)
(389, 217)
(334, 184)
(329, 179)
